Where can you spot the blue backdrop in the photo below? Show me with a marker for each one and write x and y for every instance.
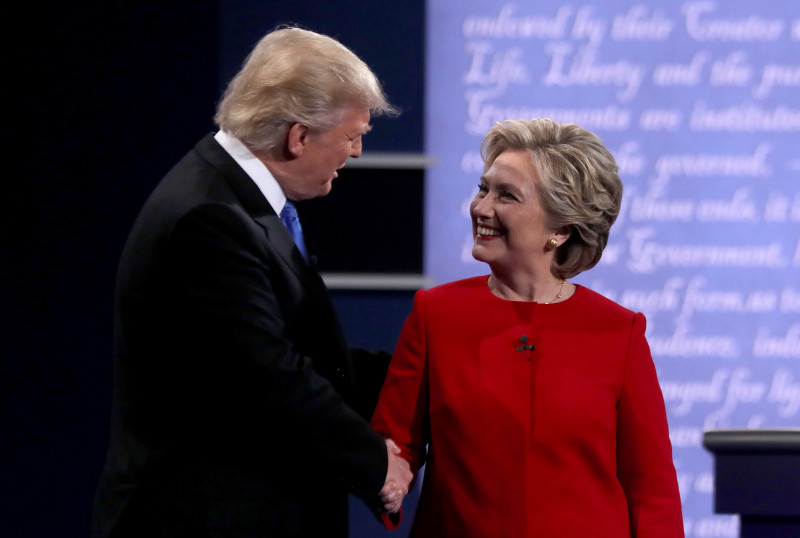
(699, 101)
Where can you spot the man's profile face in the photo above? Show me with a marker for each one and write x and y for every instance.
(325, 152)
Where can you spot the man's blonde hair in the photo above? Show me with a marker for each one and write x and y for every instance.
(296, 76)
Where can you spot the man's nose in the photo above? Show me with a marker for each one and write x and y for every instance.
(355, 150)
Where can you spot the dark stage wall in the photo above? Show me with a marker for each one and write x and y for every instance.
(102, 103)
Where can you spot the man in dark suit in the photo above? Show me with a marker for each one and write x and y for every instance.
(236, 406)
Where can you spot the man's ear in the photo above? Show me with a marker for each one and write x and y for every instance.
(296, 139)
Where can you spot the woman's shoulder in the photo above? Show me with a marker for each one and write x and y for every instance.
(597, 305)
(466, 286)
(452, 294)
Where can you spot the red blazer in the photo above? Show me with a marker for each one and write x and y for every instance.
(567, 439)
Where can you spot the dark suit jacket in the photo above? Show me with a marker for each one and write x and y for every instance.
(232, 412)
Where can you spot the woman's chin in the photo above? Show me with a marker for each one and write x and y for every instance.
(480, 254)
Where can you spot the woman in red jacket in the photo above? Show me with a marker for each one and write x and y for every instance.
(534, 401)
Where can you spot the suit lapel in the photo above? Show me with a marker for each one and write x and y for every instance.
(280, 238)
(258, 207)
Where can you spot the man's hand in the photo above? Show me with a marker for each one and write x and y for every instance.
(398, 479)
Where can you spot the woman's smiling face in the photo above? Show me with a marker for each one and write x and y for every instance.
(509, 227)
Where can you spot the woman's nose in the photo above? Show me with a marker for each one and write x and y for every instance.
(481, 206)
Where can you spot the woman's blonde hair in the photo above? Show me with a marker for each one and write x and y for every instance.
(296, 76)
(580, 190)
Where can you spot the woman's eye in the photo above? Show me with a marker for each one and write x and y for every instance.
(483, 188)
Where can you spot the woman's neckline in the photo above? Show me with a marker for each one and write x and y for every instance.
(563, 295)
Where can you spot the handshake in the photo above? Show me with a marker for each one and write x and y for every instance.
(398, 479)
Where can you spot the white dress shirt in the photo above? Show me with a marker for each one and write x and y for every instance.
(257, 170)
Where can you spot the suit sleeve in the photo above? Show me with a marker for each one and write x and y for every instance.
(369, 369)
(245, 363)
(644, 452)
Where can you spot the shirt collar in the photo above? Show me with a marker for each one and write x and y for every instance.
(254, 168)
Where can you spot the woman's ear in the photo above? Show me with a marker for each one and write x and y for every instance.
(562, 234)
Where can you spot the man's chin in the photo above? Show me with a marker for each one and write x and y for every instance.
(323, 190)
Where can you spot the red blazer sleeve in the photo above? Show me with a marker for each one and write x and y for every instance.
(402, 410)
(644, 452)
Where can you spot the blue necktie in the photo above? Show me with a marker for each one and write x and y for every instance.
(292, 223)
